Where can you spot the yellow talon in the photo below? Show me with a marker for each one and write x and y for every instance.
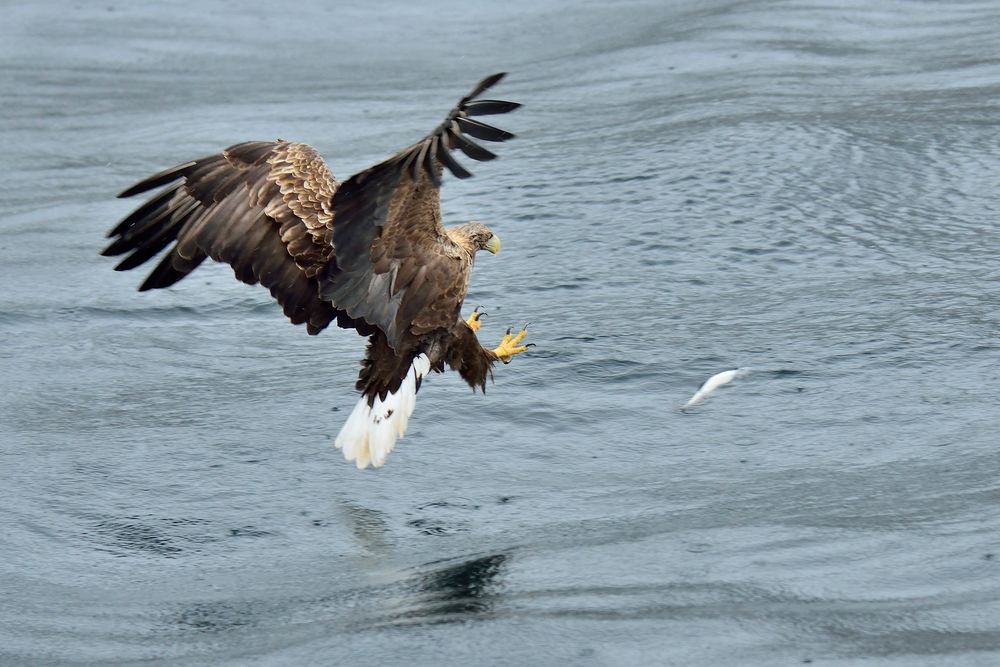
(473, 320)
(510, 345)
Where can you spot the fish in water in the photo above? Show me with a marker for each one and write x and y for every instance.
(714, 382)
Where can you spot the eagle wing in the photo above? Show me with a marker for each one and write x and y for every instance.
(261, 207)
(395, 267)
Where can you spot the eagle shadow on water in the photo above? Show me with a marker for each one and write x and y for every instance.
(370, 254)
(451, 591)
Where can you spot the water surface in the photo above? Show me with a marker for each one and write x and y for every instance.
(808, 189)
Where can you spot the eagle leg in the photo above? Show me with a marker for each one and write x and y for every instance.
(511, 345)
(473, 320)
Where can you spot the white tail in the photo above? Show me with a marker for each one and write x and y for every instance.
(370, 433)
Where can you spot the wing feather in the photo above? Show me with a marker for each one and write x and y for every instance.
(482, 87)
(489, 107)
(264, 208)
(482, 130)
(156, 180)
(452, 164)
(472, 149)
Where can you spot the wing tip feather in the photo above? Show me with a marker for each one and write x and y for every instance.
(451, 134)
(156, 180)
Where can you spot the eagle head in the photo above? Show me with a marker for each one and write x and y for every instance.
(475, 236)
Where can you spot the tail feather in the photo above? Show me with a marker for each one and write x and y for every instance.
(353, 437)
(370, 432)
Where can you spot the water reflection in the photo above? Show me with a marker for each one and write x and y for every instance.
(217, 617)
(442, 592)
(133, 535)
(369, 527)
(454, 592)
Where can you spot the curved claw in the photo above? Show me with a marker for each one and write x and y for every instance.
(511, 345)
(474, 318)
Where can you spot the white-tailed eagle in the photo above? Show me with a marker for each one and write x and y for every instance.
(370, 253)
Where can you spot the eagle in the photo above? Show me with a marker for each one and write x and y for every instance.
(370, 254)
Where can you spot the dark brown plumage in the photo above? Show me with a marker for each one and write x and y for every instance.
(370, 254)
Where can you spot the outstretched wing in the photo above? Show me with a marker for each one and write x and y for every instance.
(395, 267)
(261, 207)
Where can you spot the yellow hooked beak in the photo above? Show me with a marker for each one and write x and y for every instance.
(493, 245)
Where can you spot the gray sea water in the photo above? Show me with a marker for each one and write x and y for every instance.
(805, 188)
